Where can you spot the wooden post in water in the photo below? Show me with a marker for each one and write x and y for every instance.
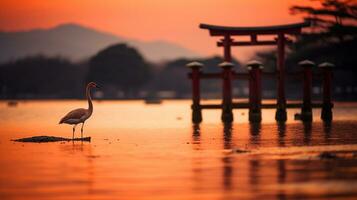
(196, 107)
(255, 90)
(281, 114)
(306, 109)
(227, 114)
(326, 112)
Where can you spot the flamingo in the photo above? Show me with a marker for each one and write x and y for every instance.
(80, 115)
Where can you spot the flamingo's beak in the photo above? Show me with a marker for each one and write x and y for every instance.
(97, 86)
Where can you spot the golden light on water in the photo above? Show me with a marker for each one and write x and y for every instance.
(141, 151)
(151, 149)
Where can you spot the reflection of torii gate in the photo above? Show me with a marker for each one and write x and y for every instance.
(255, 85)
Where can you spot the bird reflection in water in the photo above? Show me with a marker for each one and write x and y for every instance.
(83, 151)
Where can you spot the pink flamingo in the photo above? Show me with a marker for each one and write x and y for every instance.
(80, 115)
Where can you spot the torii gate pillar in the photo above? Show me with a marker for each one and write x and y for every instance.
(280, 114)
(227, 109)
(253, 32)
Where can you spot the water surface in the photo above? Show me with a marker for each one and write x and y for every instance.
(141, 151)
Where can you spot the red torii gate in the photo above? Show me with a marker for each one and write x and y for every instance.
(227, 42)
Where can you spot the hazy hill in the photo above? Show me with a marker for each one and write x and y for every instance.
(78, 42)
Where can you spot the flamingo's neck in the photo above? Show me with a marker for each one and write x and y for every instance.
(90, 105)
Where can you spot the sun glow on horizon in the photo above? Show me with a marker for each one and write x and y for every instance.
(174, 21)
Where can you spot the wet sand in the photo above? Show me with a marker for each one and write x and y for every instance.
(140, 151)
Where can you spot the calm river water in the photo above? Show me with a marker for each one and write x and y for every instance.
(141, 151)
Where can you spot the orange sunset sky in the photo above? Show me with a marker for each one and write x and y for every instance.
(175, 21)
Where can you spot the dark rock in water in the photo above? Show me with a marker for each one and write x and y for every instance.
(241, 151)
(12, 103)
(40, 139)
(327, 155)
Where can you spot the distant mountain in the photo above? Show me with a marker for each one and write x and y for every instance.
(77, 42)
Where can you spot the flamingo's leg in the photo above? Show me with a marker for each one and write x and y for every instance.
(74, 129)
(82, 130)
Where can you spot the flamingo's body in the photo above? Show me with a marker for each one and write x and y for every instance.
(80, 115)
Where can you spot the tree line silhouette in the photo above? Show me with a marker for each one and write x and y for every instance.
(332, 38)
(120, 69)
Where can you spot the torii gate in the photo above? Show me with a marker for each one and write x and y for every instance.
(255, 99)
